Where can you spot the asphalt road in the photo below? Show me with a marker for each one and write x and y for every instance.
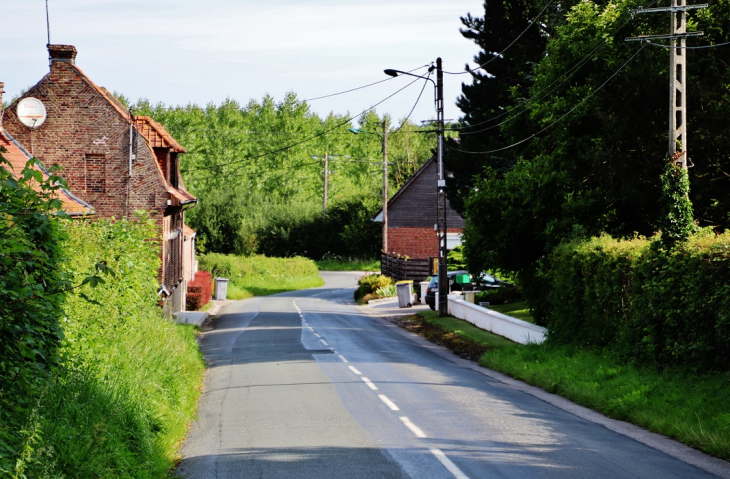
(309, 385)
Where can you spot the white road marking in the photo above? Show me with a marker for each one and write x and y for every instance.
(317, 334)
(310, 328)
(388, 402)
(344, 359)
(369, 383)
(323, 342)
(450, 466)
(414, 429)
(352, 368)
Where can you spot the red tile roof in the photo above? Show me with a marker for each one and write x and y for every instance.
(18, 157)
(156, 134)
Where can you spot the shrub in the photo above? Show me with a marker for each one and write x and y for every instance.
(369, 284)
(647, 300)
(200, 291)
(32, 284)
(387, 291)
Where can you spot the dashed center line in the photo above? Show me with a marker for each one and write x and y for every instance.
(450, 466)
(369, 383)
(414, 429)
(417, 431)
(388, 402)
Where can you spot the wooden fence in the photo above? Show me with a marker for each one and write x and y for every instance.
(406, 269)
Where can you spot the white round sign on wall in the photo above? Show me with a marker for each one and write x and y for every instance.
(31, 112)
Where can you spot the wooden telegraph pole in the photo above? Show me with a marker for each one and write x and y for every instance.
(325, 173)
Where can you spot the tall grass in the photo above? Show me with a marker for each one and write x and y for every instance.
(126, 389)
(260, 275)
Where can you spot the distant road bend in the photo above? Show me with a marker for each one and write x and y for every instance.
(309, 385)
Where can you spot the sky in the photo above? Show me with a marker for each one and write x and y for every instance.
(200, 51)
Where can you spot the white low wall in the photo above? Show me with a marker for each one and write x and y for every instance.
(511, 328)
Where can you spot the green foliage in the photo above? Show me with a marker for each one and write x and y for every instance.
(676, 221)
(260, 275)
(369, 284)
(656, 305)
(388, 291)
(127, 380)
(258, 203)
(687, 407)
(599, 167)
(32, 284)
(339, 263)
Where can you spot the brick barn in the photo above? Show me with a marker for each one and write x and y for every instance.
(412, 217)
(115, 161)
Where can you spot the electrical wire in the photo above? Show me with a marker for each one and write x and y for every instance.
(557, 82)
(687, 48)
(500, 54)
(403, 123)
(556, 121)
(360, 87)
(288, 147)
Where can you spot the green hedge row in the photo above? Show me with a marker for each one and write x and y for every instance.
(647, 301)
(124, 388)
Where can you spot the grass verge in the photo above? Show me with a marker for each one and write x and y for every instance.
(260, 275)
(676, 403)
(518, 310)
(344, 264)
(125, 386)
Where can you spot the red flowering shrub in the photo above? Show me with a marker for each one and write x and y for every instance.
(200, 290)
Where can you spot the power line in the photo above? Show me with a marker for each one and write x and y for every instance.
(288, 147)
(556, 121)
(677, 47)
(414, 105)
(557, 82)
(360, 87)
(500, 54)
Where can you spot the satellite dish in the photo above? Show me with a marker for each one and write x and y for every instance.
(31, 112)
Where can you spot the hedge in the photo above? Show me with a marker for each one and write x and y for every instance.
(650, 302)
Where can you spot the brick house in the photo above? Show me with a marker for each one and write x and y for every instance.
(412, 217)
(115, 161)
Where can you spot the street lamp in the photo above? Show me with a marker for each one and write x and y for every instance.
(385, 179)
(441, 207)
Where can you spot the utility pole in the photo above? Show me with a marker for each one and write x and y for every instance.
(324, 192)
(443, 309)
(385, 186)
(677, 73)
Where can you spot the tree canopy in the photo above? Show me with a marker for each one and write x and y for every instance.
(258, 170)
(571, 123)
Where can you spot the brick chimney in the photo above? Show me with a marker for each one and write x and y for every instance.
(62, 53)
